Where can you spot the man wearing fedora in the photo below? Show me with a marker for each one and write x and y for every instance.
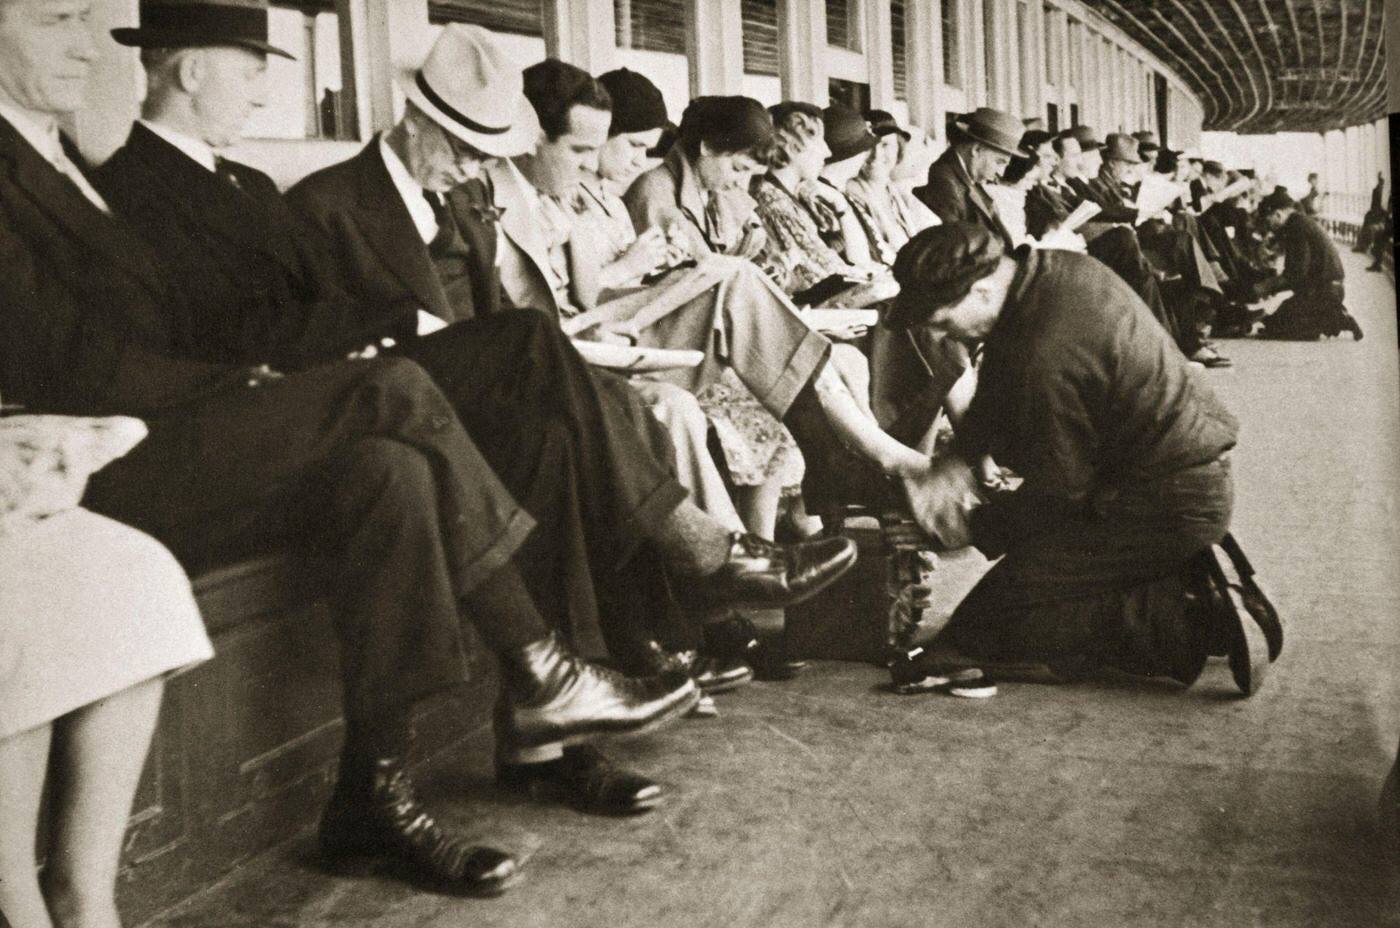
(989, 139)
(582, 455)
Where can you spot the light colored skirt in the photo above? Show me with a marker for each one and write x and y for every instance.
(88, 607)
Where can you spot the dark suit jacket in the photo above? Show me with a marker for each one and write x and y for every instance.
(258, 282)
(375, 249)
(85, 307)
(1310, 259)
(1047, 208)
(82, 326)
(1107, 192)
(951, 194)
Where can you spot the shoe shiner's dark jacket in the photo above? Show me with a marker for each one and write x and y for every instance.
(1310, 260)
(1121, 446)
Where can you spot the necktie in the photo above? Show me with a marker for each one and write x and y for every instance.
(224, 170)
(439, 208)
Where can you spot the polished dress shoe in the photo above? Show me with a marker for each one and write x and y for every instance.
(711, 674)
(760, 574)
(738, 639)
(374, 813)
(557, 697)
(586, 780)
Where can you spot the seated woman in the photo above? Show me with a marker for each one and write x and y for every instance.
(696, 196)
(806, 219)
(760, 454)
(96, 615)
(889, 212)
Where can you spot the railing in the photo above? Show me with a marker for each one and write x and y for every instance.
(1342, 214)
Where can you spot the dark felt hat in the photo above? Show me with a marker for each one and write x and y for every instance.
(201, 24)
(1001, 131)
(846, 132)
(938, 267)
(1034, 138)
(1086, 138)
(883, 124)
(637, 103)
(1120, 147)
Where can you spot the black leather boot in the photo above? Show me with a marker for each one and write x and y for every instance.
(557, 697)
(375, 813)
(759, 574)
(713, 674)
(586, 780)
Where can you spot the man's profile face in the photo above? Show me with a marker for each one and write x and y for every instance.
(561, 163)
(231, 85)
(1090, 162)
(1070, 156)
(1275, 219)
(46, 53)
(970, 319)
(624, 156)
(987, 163)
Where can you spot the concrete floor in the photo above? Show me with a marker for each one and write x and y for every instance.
(825, 801)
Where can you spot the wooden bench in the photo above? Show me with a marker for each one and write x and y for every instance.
(245, 752)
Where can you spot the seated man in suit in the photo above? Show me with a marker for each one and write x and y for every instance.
(988, 140)
(400, 227)
(725, 306)
(362, 463)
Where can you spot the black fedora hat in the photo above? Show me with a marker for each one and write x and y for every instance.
(201, 24)
(1000, 130)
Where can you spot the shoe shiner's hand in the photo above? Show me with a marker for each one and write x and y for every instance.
(942, 499)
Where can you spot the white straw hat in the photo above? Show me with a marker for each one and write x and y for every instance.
(468, 86)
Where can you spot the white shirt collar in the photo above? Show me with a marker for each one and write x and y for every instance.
(198, 151)
(39, 130)
(410, 191)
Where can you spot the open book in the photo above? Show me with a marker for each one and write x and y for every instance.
(1082, 214)
(1156, 194)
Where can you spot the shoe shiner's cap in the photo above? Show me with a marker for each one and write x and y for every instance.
(938, 267)
(470, 87)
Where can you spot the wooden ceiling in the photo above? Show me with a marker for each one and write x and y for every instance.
(1268, 65)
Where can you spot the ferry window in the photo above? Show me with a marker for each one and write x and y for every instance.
(760, 37)
(899, 55)
(519, 17)
(952, 44)
(843, 24)
(650, 25)
(306, 98)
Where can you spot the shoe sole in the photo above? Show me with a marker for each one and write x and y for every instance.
(725, 686)
(673, 714)
(963, 689)
(364, 862)
(1249, 653)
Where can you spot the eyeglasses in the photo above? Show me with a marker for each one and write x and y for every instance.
(461, 151)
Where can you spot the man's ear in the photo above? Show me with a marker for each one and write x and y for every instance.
(191, 70)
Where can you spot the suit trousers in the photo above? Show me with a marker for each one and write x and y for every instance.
(1107, 585)
(581, 453)
(362, 465)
